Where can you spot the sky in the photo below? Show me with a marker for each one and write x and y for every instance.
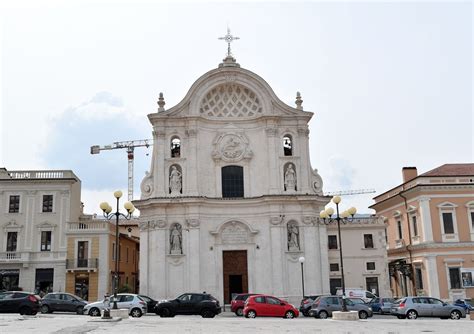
(389, 83)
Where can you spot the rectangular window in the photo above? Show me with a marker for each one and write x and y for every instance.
(47, 203)
(368, 241)
(415, 226)
(448, 223)
(232, 181)
(370, 265)
(372, 284)
(472, 219)
(45, 241)
(11, 241)
(14, 206)
(334, 267)
(418, 279)
(127, 255)
(332, 242)
(399, 226)
(455, 278)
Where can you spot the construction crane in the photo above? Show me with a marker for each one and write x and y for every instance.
(349, 192)
(129, 146)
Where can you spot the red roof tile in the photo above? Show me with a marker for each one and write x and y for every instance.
(451, 170)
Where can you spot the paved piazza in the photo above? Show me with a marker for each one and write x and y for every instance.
(226, 323)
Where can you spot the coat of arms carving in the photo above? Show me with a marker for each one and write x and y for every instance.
(231, 147)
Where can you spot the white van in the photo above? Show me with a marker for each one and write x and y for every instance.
(367, 296)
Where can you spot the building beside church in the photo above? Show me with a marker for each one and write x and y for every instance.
(231, 201)
(430, 220)
(34, 208)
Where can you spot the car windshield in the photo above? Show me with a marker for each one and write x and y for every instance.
(145, 298)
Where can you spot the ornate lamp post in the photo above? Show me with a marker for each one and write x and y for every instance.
(108, 214)
(345, 217)
(301, 260)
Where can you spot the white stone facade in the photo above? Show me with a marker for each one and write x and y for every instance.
(23, 255)
(231, 117)
(365, 261)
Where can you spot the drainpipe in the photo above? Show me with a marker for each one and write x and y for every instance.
(409, 244)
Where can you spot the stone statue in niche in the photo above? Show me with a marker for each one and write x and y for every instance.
(175, 181)
(176, 239)
(293, 237)
(290, 178)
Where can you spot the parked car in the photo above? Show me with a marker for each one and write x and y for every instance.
(62, 302)
(189, 303)
(324, 306)
(237, 303)
(19, 302)
(150, 303)
(414, 307)
(466, 304)
(357, 300)
(136, 306)
(367, 296)
(381, 305)
(306, 304)
(269, 306)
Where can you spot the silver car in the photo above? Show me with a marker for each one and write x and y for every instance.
(324, 306)
(414, 307)
(136, 306)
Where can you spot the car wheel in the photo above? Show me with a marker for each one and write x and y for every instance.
(136, 313)
(25, 310)
(165, 313)
(401, 317)
(305, 313)
(289, 315)
(239, 312)
(251, 314)
(455, 315)
(363, 315)
(412, 315)
(323, 315)
(79, 309)
(33, 313)
(94, 312)
(207, 313)
(45, 309)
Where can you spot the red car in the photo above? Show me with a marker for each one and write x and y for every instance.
(237, 304)
(269, 306)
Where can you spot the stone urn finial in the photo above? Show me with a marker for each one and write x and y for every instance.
(161, 103)
(299, 101)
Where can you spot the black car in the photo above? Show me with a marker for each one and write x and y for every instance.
(189, 303)
(150, 302)
(19, 302)
(306, 304)
(62, 302)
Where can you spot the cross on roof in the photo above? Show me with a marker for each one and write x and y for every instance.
(229, 39)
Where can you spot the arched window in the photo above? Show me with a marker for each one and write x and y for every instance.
(288, 145)
(232, 181)
(175, 147)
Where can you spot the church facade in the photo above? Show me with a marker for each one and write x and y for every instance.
(230, 203)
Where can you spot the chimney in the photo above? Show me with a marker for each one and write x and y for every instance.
(409, 173)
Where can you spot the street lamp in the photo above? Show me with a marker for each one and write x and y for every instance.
(301, 259)
(108, 214)
(345, 217)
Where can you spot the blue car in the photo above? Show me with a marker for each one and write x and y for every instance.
(381, 305)
(466, 304)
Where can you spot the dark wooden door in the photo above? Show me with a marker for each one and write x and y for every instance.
(235, 273)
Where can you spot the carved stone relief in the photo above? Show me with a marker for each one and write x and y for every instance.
(293, 237)
(317, 182)
(147, 185)
(290, 178)
(231, 147)
(176, 239)
(175, 181)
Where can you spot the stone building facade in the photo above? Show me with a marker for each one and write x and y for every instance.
(34, 209)
(231, 201)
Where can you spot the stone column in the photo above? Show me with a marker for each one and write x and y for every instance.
(312, 265)
(159, 155)
(277, 255)
(425, 216)
(432, 273)
(64, 213)
(274, 174)
(190, 184)
(194, 282)
(323, 257)
(31, 237)
(158, 279)
(144, 258)
(305, 166)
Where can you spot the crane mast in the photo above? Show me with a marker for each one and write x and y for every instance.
(129, 146)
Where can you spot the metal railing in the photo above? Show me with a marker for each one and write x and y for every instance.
(82, 263)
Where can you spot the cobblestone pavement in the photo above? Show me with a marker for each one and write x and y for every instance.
(226, 323)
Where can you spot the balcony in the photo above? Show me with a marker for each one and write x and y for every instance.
(82, 264)
(14, 257)
(36, 174)
(88, 226)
